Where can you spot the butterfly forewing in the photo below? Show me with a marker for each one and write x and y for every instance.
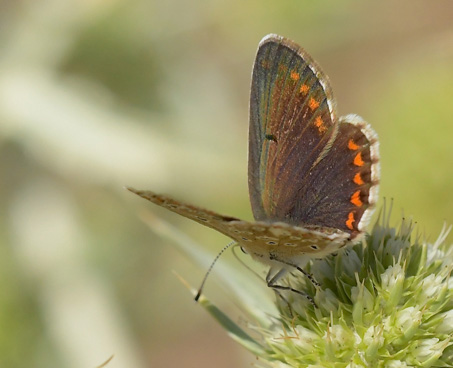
(292, 124)
(205, 217)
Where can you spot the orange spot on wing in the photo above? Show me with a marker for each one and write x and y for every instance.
(283, 68)
(295, 75)
(320, 125)
(358, 160)
(355, 199)
(265, 64)
(304, 89)
(313, 104)
(350, 220)
(358, 179)
(352, 145)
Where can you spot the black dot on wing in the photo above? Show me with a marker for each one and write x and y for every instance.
(271, 137)
(313, 246)
(271, 243)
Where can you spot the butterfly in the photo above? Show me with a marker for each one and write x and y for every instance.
(313, 177)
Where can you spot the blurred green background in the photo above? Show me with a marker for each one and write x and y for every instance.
(95, 95)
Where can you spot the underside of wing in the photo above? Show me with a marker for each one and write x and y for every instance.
(341, 190)
(292, 125)
(202, 216)
(306, 167)
(269, 243)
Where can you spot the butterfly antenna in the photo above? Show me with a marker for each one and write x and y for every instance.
(210, 268)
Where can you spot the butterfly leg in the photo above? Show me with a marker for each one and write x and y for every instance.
(290, 309)
(272, 283)
(309, 276)
(300, 269)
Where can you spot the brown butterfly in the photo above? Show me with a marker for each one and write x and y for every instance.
(313, 178)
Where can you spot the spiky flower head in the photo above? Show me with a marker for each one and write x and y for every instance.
(386, 302)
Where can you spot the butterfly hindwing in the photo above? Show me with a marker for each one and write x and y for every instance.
(341, 189)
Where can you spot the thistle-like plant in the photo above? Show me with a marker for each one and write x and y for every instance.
(384, 302)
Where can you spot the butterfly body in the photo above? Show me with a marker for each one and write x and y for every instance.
(313, 177)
